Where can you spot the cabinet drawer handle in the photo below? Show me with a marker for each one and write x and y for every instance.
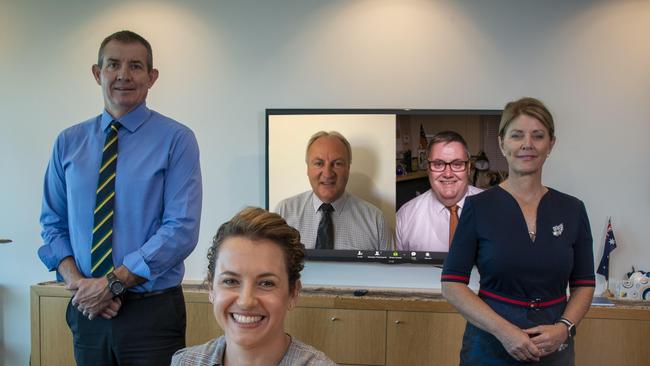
(398, 322)
(334, 318)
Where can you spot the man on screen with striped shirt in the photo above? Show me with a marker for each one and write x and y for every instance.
(327, 216)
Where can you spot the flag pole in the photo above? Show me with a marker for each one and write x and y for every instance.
(607, 293)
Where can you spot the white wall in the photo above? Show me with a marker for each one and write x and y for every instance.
(224, 62)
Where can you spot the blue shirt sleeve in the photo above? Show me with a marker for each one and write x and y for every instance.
(54, 217)
(178, 234)
(157, 196)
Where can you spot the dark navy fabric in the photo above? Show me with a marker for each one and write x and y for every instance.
(492, 234)
(482, 348)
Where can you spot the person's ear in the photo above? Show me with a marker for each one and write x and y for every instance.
(552, 144)
(294, 295)
(211, 296)
(153, 76)
(96, 70)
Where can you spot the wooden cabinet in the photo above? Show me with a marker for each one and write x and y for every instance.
(53, 332)
(201, 325)
(347, 336)
(391, 328)
(420, 338)
(613, 342)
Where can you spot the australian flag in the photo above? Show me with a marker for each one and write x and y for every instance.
(610, 244)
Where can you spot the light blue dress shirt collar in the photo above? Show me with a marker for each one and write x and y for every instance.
(131, 121)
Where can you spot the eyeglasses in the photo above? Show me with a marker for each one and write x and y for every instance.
(441, 165)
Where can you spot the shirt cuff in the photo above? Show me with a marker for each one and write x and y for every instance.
(135, 263)
(53, 253)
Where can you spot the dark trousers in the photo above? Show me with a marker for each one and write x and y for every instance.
(146, 331)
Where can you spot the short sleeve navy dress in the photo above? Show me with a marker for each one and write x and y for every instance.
(523, 281)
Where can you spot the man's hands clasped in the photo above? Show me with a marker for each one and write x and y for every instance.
(92, 298)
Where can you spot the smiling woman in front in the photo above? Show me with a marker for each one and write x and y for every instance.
(529, 243)
(254, 267)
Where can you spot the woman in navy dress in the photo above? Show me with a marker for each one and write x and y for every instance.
(529, 243)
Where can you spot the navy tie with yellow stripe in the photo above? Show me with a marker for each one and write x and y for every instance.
(102, 247)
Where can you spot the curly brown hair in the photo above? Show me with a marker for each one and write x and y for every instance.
(257, 223)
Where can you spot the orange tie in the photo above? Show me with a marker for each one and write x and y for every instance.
(453, 221)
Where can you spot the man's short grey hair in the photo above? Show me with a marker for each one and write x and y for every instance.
(336, 134)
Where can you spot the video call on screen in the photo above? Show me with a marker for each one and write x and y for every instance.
(388, 165)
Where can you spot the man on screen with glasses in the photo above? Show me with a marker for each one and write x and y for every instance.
(427, 222)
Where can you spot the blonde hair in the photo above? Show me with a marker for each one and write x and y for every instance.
(531, 107)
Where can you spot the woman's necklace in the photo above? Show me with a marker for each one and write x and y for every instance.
(528, 209)
(530, 219)
(532, 236)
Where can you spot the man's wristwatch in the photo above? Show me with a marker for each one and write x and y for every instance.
(115, 286)
(570, 327)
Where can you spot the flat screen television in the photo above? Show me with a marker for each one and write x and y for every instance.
(388, 163)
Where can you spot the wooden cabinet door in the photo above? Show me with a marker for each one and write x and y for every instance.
(613, 342)
(201, 324)
(416, 338)
(55, 336)
(346, 336)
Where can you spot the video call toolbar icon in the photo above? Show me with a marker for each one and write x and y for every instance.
(391, 256)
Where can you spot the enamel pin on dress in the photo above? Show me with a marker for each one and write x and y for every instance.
(558, 229)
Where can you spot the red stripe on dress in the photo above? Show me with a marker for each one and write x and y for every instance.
(454, 277)
(553, 302)
(522, 303)
(583, 282)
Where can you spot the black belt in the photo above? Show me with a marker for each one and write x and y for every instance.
(143, 295)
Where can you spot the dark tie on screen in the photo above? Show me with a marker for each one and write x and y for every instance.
(102, 244)
(325, 237)
(453, 221)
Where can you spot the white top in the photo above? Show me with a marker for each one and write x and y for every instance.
(423, 222)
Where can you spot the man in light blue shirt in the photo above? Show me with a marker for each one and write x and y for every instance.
(135, 311)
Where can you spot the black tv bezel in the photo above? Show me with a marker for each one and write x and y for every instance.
(385, 256)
